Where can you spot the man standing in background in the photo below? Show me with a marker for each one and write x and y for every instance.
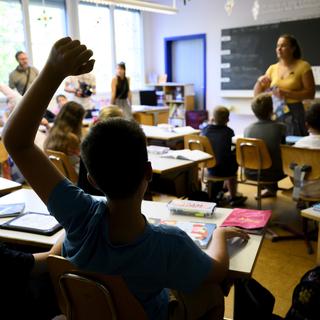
(22, 77)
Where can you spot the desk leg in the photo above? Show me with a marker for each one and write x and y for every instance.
(318, 248)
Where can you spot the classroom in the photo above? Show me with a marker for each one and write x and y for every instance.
(159, 159)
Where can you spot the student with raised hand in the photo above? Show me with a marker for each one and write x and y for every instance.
(112, 236)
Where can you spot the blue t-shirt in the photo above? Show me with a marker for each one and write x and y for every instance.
(162, 257)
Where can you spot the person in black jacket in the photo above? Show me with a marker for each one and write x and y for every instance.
(26, 291)
(220, 136)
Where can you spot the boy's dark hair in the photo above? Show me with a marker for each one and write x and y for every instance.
(297, 53)
(313, 116)
(221, 116)
(18, 54)
(262, 106)
(115, 155)
(60, 96)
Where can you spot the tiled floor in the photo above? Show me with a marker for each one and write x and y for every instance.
(280, 264)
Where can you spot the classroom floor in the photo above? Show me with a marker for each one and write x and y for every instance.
(280, 265)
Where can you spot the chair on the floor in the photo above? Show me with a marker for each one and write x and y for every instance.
(202, 143)
(253, 154)
(310, 192)
(62, 162)
(86, 295)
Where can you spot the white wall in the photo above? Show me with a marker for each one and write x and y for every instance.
(209, 16)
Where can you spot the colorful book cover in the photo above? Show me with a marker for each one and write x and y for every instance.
(200, 233)
(247, 219)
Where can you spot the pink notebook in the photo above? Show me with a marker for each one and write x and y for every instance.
(247, 218)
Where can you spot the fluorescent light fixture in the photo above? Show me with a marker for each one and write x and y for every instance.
(139, 5)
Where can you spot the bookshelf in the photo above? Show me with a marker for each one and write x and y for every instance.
(179, 97)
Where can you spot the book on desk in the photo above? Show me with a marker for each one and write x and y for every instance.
(253, 221)
(186, 154)
(199, 232)
(11, 210)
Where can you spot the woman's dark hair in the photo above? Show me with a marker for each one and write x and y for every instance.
(122, 66)
(297, 54)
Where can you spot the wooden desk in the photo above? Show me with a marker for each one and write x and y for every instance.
(314, 215)
(150, 115)
(162, 137)
(7, 186)
(242, 261)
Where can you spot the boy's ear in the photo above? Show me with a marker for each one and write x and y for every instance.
(148, 171)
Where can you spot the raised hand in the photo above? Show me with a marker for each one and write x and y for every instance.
(69, 57)
(264, 81)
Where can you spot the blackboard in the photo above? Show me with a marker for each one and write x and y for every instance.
(247, 52)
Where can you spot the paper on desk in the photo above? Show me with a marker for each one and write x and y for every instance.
(316, 74)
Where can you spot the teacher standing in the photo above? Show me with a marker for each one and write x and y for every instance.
(290, 81)
(120, 90)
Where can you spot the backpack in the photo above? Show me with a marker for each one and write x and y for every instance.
(306, 297)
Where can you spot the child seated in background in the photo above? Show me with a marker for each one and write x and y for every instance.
(313, 125)
(61, 100)
(65, 135)
(108, 112)
(220, 136)
(111, 235)
(273, 134)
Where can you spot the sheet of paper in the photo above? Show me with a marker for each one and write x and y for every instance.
(36, 221)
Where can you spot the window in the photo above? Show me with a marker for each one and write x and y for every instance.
(128, 44)
(45, 33)
(11, 36)
(95, 33)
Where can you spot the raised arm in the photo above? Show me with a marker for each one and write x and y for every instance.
(67, 57)
(262, 84)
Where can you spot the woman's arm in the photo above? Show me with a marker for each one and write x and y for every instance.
(308, 91)
(129, 93)
(67, 57)
(113, 90)
(263, 83)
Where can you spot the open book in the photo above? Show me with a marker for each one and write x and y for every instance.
(200, 233)
(254, 221)
(186, 154)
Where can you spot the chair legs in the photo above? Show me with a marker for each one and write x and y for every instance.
(259, 189)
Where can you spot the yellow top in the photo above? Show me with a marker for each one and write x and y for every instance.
(293, 81)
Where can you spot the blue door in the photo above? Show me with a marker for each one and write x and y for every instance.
(186, 63)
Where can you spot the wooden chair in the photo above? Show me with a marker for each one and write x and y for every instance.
(4, 164)
(202, 143)
(253, 154)
(304, 157)
(62, 162)
(86, 295)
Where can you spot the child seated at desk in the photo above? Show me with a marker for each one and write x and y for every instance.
(311, 141)
(273, 133)
(111, 236)
(65, 135)
(220, 137)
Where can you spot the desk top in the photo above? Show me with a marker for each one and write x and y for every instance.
(148, 109)
(166, 165)
(242, 260)
(8, 185)
(311, 214)
(153, 132)
(162, 165)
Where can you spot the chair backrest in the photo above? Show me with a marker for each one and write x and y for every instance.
(62, 162)
(253, 154)
(86, 295)
(202, 143)
(301, 156)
